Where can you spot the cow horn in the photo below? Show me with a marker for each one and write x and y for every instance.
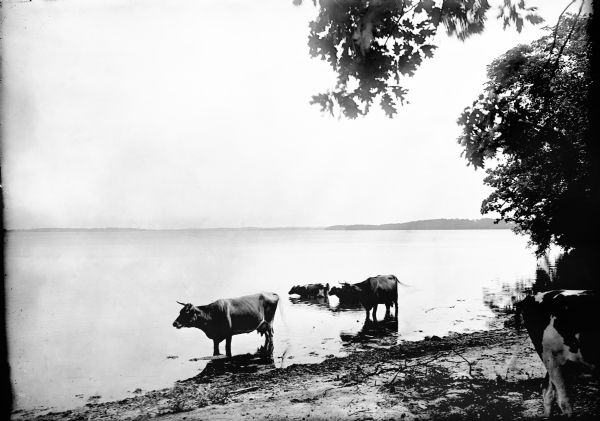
(179, 302)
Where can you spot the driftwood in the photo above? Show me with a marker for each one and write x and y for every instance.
(312, 398)
(359, 411)
(245, 390)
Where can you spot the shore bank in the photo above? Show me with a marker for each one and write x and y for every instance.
(484, 375)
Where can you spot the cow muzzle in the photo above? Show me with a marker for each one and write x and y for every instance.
(177, 325)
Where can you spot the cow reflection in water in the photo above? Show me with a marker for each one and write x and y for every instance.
(382, 333)
(244, 363)
(317, 301)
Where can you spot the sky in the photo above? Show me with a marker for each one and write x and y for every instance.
(188, 113)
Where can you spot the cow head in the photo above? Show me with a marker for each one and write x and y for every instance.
(189, 316)
(345, 290)
(295, 290)
(335, 291)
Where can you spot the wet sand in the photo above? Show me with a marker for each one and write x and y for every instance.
(492, 374)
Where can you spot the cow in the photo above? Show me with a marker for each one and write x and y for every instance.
(345, 294)
(563, 326)
(222, 319)
(310, 290)
(380, 289)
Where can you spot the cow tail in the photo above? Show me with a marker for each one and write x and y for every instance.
(401, 283)
(281, 312)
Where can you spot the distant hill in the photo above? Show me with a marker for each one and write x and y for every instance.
(428, 224)
(431, 224)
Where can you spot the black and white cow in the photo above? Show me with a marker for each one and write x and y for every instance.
(563, 326)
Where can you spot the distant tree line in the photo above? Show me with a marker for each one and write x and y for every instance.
(432, 224)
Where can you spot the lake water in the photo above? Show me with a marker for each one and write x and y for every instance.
(91, 313)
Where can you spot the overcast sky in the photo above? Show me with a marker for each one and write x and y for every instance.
(195, 113)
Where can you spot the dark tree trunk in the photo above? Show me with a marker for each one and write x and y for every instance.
(593, 137)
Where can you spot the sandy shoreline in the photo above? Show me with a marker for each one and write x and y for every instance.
(492, 374)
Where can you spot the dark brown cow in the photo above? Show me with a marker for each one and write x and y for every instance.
(224, 318)
(563, 326)
(380, 289)
(310, 290)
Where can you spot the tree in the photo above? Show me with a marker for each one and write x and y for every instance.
(373, 44)
(533, 116)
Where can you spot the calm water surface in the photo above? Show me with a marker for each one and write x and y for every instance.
(91, 313)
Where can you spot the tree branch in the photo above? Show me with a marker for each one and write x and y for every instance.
(467, 361)
(556, 62)
(556, 30)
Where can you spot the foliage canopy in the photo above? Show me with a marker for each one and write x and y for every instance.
(533, 116)
(373, 44)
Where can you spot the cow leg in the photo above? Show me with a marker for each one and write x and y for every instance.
(216, 347)
(266, 333)
(553, 356)
(547, 395)
(269, 340)
(266, 330)
(387, 311)
(228, 346)
(367, 320)
(375, 313)
(557, 378)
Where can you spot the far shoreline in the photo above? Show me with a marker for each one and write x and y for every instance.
(419, 225)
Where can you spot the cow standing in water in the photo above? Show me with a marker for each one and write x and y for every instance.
(380, 289)
(310, 290)
(224, 318)
(563, 326)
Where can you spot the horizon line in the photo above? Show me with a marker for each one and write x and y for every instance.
(245, 228)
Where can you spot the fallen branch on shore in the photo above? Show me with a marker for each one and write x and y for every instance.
(245, 390)
(467, 361)
(359, 411)
(416, 364)
(312, 398)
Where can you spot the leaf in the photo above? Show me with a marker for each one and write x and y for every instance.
(399, 92)
(519, 23)
(388, 106)
(428, 50)
(534, 19)
(324, 101)
(426, 5)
